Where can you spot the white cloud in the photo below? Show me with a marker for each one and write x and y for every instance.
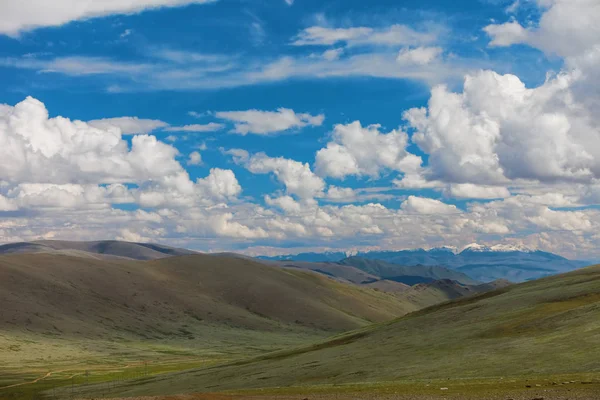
(358, 150)
(210, 127)
(36, 148)
(566, 27)
(129, 236)
(126, 32)
(393, 35)
(497, 130)
(269, 122)
(129, 125)
(419, 55)
(289, 2)
(470, 191)
(224, 226)
(225, 73)
(423, 205)
(59, 163)
(511, 9)
(220, 184)
(561, 220)
(18, 16)
(336, 193)
(296, 176)
(7, 204)
(333, 54)
(195, 158)
(196, 114)
(286, 203)
(506, 34)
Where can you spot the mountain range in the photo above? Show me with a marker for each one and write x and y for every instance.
(480, 263)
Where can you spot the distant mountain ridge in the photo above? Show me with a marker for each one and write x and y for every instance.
(409, 275)
(481, 263)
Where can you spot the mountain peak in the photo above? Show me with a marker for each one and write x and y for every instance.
(475, 247)
(497, 248)
(449, 249)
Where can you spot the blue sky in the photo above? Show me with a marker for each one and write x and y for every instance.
(281, 126)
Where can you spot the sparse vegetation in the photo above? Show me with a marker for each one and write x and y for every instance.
(530, 331)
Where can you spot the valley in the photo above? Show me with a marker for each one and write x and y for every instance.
(77, 315)
(78, 323)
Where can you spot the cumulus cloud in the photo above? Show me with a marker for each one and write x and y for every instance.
(498, 130)
(566, 28)
(17, 16)
(269, 122)
(286, 203)
(56, 162)
(129, 125)
(336, 193)
(220, 184)
(297, 177)
(36, 148)
(561, 220)
(195, 158)
(506, 34)
(423, 205)
(128, 235)
(358, 150)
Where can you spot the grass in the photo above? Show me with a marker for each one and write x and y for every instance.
(72, 314)
(108, 362)
(561, 387)
(543, 328)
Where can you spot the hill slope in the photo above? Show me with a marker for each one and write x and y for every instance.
(100, 249)
(550, 326)
(68, 307)
(42, 291)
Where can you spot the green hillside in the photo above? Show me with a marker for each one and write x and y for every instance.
(545, 327)
(74, 314)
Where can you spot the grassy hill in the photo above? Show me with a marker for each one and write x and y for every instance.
(72, 314)
(105, 249)
(73, 296)
(545, 327)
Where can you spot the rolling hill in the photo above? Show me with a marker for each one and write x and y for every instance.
(82, 296)
(106, 249)
(68, 307)
(539, 328)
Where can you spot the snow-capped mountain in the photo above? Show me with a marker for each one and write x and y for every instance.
(500, 248)
(483, 263)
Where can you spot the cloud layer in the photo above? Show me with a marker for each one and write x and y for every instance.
(18, 16)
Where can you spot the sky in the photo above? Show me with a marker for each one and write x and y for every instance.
(282, 126)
